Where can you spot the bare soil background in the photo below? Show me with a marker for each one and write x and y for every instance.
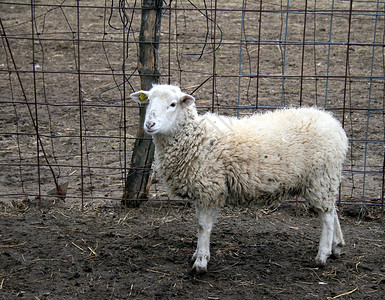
(144, 253)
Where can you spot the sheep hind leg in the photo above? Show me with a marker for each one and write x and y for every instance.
(206, 219)
(327, 236)
(338, 239)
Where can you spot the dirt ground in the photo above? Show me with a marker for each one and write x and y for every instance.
(144, 253)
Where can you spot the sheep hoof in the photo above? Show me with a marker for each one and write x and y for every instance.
(336, 251)
(200, 265)
(320, 262)
(199, 269)
(336, 254)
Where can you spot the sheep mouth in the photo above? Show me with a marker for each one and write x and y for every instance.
(151, 131)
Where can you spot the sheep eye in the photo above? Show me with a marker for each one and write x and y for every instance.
(173, 104)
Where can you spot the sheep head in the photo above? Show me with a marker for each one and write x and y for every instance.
(166, 106)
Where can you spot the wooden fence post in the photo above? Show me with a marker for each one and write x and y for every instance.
(143, 151)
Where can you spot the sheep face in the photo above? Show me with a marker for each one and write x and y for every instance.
(165, 107)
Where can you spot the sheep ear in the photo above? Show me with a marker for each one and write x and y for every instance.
(140, 96)
(187, 100)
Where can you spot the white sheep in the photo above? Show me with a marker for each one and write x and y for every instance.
(213, 160)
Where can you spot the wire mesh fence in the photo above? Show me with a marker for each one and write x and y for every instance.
(67, 69)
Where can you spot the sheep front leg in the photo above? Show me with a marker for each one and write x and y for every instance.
(206, 218)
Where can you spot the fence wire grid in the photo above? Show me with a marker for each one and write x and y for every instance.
(67, 68)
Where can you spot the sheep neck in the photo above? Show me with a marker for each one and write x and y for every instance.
(186, 126)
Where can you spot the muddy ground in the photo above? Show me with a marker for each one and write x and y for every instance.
(144, 253)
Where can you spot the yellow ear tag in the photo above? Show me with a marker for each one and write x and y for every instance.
(143, 97)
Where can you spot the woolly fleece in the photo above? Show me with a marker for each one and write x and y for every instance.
(264, 158)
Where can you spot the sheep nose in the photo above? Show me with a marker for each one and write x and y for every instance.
(150, 124)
